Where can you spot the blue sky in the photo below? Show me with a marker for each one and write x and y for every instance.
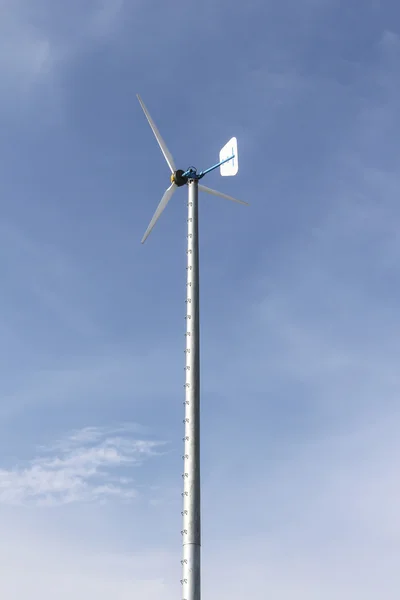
(300, 296)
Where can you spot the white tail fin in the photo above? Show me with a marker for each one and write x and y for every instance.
(161, 143)
(208, 190)
(232, 166)
(164, 201)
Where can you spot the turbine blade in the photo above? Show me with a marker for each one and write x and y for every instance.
(164, 201)
(161, 143)
(208, 190)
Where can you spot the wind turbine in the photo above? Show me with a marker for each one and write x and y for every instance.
(191, 531)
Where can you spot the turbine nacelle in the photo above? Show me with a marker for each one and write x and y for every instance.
(180, 177)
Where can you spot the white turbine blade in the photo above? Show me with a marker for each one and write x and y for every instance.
(161, 143)
(164, 201)
(208, 190)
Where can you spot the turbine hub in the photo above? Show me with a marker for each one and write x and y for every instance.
(181, 178)
(178, 178)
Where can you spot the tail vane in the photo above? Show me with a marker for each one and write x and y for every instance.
(230, 150)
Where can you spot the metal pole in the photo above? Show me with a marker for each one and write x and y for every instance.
(191, 532)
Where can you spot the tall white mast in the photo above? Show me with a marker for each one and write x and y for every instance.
(191, 513)
(191, 532)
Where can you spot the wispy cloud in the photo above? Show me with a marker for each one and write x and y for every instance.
(37, 39)
(24, 50)
(105, 18)
(45, 273)
(91, 464)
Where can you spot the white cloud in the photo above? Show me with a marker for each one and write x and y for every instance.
(40, 564)
(35, 38)
(47, 274)
(89, 465)
(105, 18)
(26, 52)
(313, 517)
